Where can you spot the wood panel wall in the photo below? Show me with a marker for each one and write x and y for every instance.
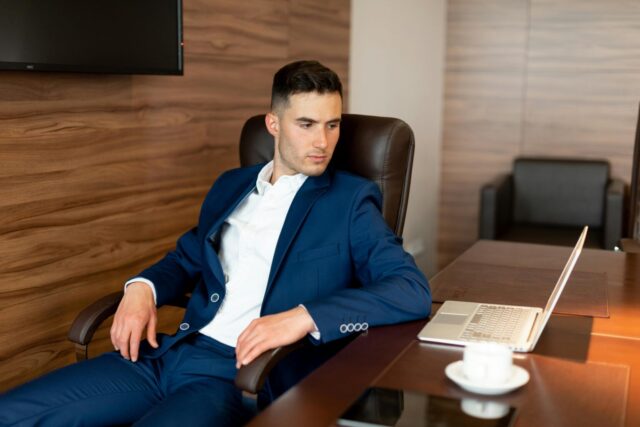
(99, 174)
(532, 77)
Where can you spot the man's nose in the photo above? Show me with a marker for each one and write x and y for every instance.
(322, 139)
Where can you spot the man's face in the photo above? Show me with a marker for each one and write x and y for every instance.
(306, 132)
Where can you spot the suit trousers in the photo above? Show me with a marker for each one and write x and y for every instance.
(191, 385)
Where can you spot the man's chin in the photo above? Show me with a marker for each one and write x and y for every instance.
(315, 170)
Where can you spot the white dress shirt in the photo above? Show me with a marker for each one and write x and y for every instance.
(247, 244)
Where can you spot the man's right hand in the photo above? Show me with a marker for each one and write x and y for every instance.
(136, 311)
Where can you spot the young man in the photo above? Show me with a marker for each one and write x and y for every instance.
(282, 251)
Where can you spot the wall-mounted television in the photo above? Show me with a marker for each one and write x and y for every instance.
(102, 36)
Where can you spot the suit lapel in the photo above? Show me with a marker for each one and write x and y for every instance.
(310, 191)
(229, 203)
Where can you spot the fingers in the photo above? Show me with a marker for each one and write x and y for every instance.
(135, 312)
(271, 331)
(252, 346)
(151, 331)
(242, 343)
(123, 333)
(247, 331)
(134, 343)
(112, 334)
(247, 341)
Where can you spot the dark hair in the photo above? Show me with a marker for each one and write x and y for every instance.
(303, 77)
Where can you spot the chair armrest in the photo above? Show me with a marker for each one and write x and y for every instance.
(251, 377)
(495, 207)
(614, 211)
(89, 319)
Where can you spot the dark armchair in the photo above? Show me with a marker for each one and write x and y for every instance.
(549, 200)
(378, 148)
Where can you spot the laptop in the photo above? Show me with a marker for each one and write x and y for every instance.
(519, 327)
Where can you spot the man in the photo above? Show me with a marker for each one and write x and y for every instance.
(282, 251)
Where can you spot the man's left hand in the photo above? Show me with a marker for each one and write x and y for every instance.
(272, 331)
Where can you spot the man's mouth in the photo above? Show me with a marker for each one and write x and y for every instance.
(318, 157)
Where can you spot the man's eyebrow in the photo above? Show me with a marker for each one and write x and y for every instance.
(309, 120)
(306, 120)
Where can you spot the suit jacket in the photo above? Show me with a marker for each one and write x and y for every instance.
(335, 254)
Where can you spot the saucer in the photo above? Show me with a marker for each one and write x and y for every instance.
(519, 377)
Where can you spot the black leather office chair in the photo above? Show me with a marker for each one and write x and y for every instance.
(378, 148)
(549, 200)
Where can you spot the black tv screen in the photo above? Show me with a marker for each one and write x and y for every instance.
(104, 36)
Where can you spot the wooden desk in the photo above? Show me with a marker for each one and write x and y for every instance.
(608, 349)
(622, 272)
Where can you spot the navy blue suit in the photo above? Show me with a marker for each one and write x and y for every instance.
(335, 255)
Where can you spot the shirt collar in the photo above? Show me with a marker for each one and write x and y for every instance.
(291, 182)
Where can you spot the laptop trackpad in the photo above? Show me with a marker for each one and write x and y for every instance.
(451, 319)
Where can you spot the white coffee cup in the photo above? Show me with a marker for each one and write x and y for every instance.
(487, 363)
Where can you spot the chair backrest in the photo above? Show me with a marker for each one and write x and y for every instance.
(562, 192)
(378, 148)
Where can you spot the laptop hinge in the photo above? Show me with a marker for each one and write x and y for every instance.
(533, 328)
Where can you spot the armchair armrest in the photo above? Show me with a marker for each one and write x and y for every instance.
(614, 210)
(89, 319)
(495, 207)
(251, 378)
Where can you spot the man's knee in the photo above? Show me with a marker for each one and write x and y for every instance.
(100, 391)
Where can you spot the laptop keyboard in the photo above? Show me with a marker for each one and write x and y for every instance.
(495, 323)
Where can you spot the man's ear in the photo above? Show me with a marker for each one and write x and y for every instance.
(272, 123)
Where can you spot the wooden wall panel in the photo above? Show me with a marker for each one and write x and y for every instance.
(583, 80)
(99, 174)
(485, 63)
(319, 26)
(563, 82)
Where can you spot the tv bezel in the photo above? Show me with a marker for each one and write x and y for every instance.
(110, 69)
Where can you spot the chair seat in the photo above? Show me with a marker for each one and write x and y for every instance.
(549, 235)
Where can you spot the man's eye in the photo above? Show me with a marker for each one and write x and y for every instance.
(334, 125)
(305, 125)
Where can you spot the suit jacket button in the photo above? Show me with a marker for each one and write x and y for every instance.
(357, 327)
(365, 326)
(350, 327)
(215, 297)
(184, 326)
(343, 328)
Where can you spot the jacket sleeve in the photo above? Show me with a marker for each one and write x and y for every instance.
(392, 288)
(178, 271)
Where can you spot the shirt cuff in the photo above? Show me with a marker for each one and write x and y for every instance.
(315, 334)
(146, 282)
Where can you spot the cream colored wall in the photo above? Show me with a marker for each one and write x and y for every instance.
(396, 69)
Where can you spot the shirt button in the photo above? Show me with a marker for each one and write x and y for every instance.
(215, 297)
(226, 278)
(184, 326)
